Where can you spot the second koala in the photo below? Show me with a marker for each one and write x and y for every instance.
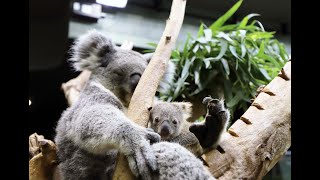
(170, 121)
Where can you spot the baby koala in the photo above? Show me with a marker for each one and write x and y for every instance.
(170, 121)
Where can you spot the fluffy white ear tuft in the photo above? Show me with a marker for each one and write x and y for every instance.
(186, 108)
(89, 49)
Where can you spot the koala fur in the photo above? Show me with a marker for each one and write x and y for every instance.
(170, 121)
(90, 133)
(216, 121)
(177, 163)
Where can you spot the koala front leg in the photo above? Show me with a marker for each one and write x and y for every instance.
(103, 128)
(216, 120)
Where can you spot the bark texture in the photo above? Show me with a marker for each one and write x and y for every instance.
(257, 141)
(143, 96)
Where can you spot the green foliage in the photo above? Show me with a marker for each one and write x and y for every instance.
(238, 57)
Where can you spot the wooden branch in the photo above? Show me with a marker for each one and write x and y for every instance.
(143, 96)
(73, 87)
(43, 166)
(34, 147)
(257, 141)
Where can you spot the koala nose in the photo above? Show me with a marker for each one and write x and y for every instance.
(134, 79)
(164, 130)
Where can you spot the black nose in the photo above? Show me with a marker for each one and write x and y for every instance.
(134, 80)
(164, 131)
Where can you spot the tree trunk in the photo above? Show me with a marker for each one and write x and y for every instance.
(143, 96)
(257, 141)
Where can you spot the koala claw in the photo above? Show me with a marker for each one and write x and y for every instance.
(152, 136)
(209, 99)
(142, 160)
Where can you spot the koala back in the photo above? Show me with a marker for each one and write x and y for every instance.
(176, 162)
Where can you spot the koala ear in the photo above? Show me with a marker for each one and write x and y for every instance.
(168, 76)
(148, 56)
(186, 108)
(88, 50)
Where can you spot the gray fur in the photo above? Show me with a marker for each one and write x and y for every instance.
(177, 163)
(90, 133)
(164, 114)
(197, 137)
(210, 130)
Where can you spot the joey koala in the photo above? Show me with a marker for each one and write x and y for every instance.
(90, 133)
(170, 121)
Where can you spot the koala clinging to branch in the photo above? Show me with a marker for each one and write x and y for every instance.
(170, 121)
(91, 132)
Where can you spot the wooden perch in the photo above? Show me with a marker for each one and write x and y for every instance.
(43, 166)
(143, 96)
(257, 141)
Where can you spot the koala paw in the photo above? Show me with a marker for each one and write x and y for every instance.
(140, 156)
(215, 106)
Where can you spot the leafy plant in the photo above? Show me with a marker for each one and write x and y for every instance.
(237, 57)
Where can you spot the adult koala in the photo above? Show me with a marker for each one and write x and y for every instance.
(91, 131)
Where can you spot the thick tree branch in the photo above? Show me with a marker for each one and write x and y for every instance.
(257, 141)
(145, 91)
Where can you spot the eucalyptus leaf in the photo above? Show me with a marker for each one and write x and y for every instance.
(225, 36)
(225, 65)
(207, 63)
(208, 34)
(265, 74)
(234, 51)
(196, 47)
(239, 56)
(152, 44)
(208, 48)
(235, 99)
(259, 23)
(260, 35)
(200, 32)
(202, 40)
(218, 23)
(242, 34)
(224, 47)
(245, 20)
(243, 50)
(228, 27)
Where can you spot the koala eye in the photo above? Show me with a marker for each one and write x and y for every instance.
(117, 73)
(156, 119)
(174, 121)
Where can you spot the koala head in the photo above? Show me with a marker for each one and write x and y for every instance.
(116, 69)
(167, 118)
